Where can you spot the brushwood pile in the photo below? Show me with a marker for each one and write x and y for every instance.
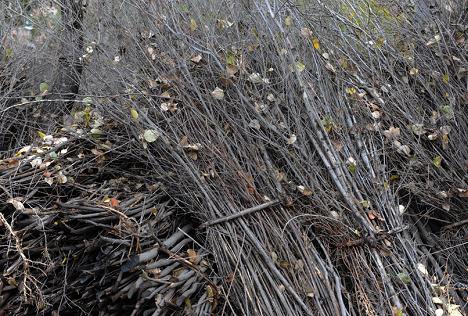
(254, 157)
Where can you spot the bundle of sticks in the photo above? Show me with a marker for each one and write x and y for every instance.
(79, 235)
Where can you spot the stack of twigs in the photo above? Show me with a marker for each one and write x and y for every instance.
(316, 150)
(81, 233)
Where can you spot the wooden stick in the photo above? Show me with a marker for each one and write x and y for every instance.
(241, 213)
(454, 225)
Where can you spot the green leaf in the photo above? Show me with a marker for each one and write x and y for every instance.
(447, 110)
(8, 53)
(184, 8)
(87, 115)
(43, 87)
(352, 167)
(328, 124)
(231, 58)
(134, 114)
(53, 155)
(445, 78)
(150, 135)
(437, 161)
(404, 277)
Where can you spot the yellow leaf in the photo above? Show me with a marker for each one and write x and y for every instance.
(288, 21)
(23, 151)
(316, 43)
(351, 90)
(445, 139)
(445, 78)
(327, 123)
(210, 291)
(134, 114)
(193, 25)
(437, 161)
(284, 264)
(300, 66)
(397, 312)
(42, 135)
(87, 115)
(8, 54)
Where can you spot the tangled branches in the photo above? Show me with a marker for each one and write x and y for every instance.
(303, 159)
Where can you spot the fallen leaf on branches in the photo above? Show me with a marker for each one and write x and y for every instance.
(17, 204)
(196, 59)
(304, 190)
(114, 202)
(292, 139)
(150, 135)
(192, 255)
(218, 93)
(316, 43)
(392, 132)
(255, 124)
